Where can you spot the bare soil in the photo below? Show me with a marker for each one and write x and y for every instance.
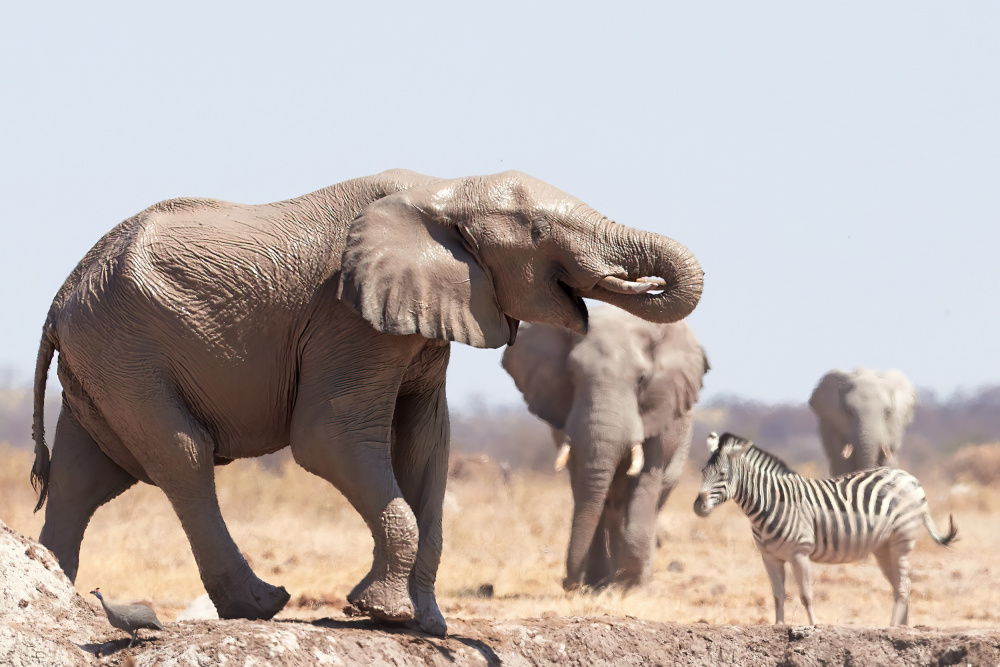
(43, 621)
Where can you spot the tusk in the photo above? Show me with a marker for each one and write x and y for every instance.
(848, 450)
(562, 457)
(640, 286)
(638, 460)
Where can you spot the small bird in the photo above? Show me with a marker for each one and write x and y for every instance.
(129, 617)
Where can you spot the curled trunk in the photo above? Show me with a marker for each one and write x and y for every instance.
(660, 280)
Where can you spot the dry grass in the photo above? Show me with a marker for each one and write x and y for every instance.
(297, 531)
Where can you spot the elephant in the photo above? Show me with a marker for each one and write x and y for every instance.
(619, 400)
(201, 331)
(862, 415)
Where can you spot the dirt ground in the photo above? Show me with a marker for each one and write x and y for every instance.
(505, 537)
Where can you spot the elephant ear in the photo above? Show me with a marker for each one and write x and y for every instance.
(539, 366)
(673, 380)
(904, 396)
(826, 397)
(407, 269)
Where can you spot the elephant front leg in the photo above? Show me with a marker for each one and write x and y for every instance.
(420, 461)
(600, 569)
(349, 447)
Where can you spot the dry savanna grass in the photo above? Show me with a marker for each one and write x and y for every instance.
(505, 548)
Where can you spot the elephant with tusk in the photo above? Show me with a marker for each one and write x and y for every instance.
(862, 417)
(200, 331)
(620, 404)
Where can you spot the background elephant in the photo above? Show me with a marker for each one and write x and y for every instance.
(862, 416)
(627, 382)
(200, 331)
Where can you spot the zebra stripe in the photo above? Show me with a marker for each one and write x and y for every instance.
(798, 519)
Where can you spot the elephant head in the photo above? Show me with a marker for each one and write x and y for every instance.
(467, 259)
(862, 417)
(622, 395)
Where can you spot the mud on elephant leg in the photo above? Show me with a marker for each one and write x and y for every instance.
(81, 479)
(184, 469)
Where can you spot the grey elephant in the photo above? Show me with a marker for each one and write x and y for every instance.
(862, 416)
(201, 331)
(620, 403)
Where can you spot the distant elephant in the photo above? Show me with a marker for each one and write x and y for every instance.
(201, 331)
(862, 416)
(620, 400)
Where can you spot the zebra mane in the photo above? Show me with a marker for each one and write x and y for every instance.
(767, 460)
(757, 456)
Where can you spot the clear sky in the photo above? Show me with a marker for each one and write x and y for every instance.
(835, 167)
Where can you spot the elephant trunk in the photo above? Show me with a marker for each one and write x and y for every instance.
(604, 442)
(590, 493)
(871, 447)
(659, 280)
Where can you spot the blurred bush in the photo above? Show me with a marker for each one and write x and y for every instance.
(979, 464)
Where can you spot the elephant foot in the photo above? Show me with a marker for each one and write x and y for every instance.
(428, 617)
(382, 600)
(571, 584)
(255, 600)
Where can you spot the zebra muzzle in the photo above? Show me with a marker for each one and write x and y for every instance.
(701, 506)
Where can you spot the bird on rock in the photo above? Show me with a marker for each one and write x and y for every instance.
(129, 617)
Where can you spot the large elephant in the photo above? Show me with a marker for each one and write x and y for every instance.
(862, 415)
(620, 400)
(201, 331)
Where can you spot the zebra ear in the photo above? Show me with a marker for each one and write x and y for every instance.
(712, 442)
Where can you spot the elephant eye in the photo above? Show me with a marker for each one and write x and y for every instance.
(540, 230)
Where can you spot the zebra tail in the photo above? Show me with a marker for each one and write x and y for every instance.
(943, 540)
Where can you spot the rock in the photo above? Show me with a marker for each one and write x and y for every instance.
(200, 609)
(43, 620)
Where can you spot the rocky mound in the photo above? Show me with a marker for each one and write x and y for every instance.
(44, 621)
(42, 618)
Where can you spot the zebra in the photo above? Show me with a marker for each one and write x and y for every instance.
(797, 519)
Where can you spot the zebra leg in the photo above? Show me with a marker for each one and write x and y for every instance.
(894, 560)
(776, 573)
(800, 568)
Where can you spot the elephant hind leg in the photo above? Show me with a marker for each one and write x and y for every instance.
(81, 479)
(178, 455)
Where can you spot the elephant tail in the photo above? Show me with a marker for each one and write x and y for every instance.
(943, 540)
(40, 470)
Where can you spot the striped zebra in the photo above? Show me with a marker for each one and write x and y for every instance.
(796, 519)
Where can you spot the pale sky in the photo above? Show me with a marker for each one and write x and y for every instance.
(835, 167)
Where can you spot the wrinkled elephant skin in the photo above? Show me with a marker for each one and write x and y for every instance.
(201, 331)
(620, 402)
